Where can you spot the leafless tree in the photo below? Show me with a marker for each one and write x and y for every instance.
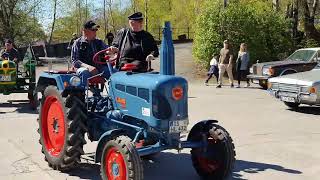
(310, 8)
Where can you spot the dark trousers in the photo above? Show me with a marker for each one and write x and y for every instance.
(210, 76)
(242, 74)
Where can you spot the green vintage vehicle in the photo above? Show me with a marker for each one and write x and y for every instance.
(19, 78)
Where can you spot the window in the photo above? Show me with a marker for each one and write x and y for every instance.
(143, 93)
(131, 90)
(120, 87)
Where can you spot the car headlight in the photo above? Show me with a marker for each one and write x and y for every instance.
(251, 70)
(312, 90)
(305, 89)
(75, 81)
(267, 71)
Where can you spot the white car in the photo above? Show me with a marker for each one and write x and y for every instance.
(298, 88)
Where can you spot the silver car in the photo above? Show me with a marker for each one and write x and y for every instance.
(298, 88)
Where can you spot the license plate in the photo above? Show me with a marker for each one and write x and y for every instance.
(5, 78)
(288, 99)
(178, 126)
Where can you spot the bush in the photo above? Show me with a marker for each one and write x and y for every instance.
(253, 22)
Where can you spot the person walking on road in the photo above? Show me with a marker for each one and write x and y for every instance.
(225, 63)
(214, 70)
(242, 64)
(109, 38)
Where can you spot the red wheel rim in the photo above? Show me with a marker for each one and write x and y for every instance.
(53, 125)
(115, 166)
(207, 164)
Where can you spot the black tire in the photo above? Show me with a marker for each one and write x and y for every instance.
(73, 116)
(292, 105)
(126, 152)
(216, 161)
(263, 84)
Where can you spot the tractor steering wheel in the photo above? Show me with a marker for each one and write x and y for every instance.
(107, 58)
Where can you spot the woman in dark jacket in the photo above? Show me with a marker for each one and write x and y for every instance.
(242, 64)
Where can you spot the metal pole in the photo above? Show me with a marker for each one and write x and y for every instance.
(105, 18)
(86, 10)
(146, 13)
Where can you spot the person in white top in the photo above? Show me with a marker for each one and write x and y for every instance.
(214, 70)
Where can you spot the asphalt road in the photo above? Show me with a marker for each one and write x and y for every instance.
(272, 141)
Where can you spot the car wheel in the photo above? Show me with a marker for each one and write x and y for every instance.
(263, 84)
(292, 105)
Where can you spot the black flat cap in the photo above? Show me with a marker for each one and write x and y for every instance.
(136, 16)
(91, 25)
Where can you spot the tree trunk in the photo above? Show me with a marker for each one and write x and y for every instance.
(54, 19)
(111, 15)
(309, 16)
(295, 17)
(276, 5)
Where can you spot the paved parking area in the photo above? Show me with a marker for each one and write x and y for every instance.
(272, 141)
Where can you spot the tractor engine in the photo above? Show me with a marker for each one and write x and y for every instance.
(7, 72)
(156, 99)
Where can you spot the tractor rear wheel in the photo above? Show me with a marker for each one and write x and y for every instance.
(216, 160)
(120, 160)
(61, 129)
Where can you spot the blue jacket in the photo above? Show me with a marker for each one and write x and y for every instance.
(84, 50)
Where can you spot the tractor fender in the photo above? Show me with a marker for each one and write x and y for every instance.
(59, 80)
(200, 125)
(104, 139)
(284, 72)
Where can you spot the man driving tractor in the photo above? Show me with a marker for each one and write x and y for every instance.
(83, 50)
(9, 52)
(134, 45)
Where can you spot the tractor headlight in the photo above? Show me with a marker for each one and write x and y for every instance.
(75, 81)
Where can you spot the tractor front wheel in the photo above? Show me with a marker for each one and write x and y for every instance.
(120, 160)
(216, 159)
(61, 129)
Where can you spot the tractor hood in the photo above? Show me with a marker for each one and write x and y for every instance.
(145, 80)
(152, 97)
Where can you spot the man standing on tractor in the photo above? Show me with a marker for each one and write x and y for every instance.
(83, 50)
(134, 45)
(9, 52)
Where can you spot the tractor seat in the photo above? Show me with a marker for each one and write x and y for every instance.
(129, 67)
(96, 80)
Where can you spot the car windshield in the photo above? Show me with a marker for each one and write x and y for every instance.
(302, 55)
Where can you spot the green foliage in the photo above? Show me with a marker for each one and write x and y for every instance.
(253, 22)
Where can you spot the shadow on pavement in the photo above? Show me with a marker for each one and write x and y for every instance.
(86, 171)
(171, 166)
(256, 167)
(22, 106)
(315, 110)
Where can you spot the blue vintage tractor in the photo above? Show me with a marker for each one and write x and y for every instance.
(131, 115)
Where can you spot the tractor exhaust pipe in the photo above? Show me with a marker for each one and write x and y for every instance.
(167, 65)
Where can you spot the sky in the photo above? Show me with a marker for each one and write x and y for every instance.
(46, 16)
